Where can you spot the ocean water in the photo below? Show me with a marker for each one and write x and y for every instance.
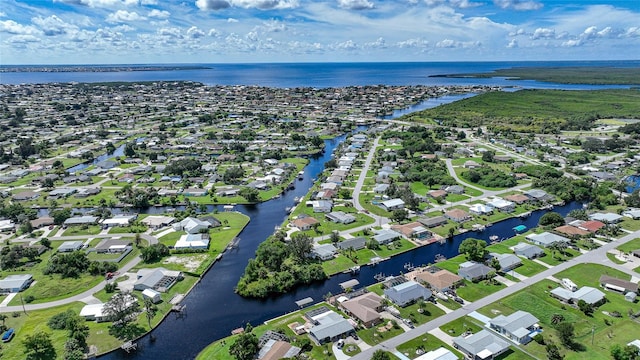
(319, 75)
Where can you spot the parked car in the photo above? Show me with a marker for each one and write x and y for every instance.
(340, 344)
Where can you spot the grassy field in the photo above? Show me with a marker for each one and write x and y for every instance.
(630, 246)
(426, 342)
(566, 75)
(540, 111)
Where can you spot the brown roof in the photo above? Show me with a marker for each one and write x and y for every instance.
(517, 198)
(437, 193)
(407, 229)
(571, 230)
(278, 351)
(440, 279)
(364, 306)
(627, 285)
(308, 221)
(457, 214)
(592, 225)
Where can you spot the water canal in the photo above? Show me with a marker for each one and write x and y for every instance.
(213, 309)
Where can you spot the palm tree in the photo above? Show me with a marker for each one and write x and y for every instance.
(557, 319)
(150, 310)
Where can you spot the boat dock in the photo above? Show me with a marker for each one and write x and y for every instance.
(129, 346)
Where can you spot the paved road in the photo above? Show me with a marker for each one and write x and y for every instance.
(595, 256)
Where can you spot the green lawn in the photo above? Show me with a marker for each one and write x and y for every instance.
(459, 326)
(337, 265)
(379, 333)
(429, 312)
(630, 246)
(171, 238)
(529, 268)
(426, 342)
(82, 230)
(475, 291)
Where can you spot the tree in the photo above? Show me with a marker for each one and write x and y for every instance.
(335, 237)
(38, 346)
(45, 242)
(557, 319)
(585, 307)
(120, 307)
(399, 215)
(246, 345)
(154, 252)
(150, 310)
(129, 150)
(566, 333)
(300, 246)
(628, 352)
(474, 249)
(553, 353)
(380, 355)
(250, 194)
(73, 350)
(551, 219)
(487, 156)
(495, 264)
(59, 216)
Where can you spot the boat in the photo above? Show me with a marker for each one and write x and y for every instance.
(354, 270)
(493, 237)
(379, 276)
(409, 266)
(524, 215)
(297, 199)
(301, 175)
(440, 257)
(478, 227)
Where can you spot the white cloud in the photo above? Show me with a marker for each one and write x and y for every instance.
(123, 28)
(632, 32)
(274, 26)
(413, 43)
(195, 33)
(214, 32)
(380, 43)
(12, 27)
(232, 20)
(170, 32)
(571, 43)
(22, 39)
(3, 14)
(347, 45)
(521, 5)
(448, 43)
(247, 4)
(52, 25)
(543, 33)
(105, 3)
(159, 14)
(356, 4)
(124, 16)
(512, 44)
(517, 32)
(461, 4)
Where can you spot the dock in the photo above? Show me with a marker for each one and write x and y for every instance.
(129, 346)
(303, 302)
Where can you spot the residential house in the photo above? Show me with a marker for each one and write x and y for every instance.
(413, 230)
(571, 231)
(619, 285)
(120, 220)
(457, 215)
(194, 192)
(159, 279)
(320, 206)
(473, 271)
(591, 226)
(470, 164)
(113, 246)
(277, 349)
(62, 193)
(385, 236)
(81, 220)
(482, 345)
(437, 194)
(480, 209)
(324, 251)
(365, 308)
(527, 250)
(356, 243)
(454, 189)
(154, 296)
(607, 218)
(632, 213)
(156, 221)
(305, 223)
(41, 222)
(591, 296)
(192, 225)
(392, 204)
(507, 262)
(328, 326)
(502, 205)
(70, 246)
(439, 281)
(15, 283)
(381, 188)
(538, 195)
(197, 241)
(517, 327)
(25, 196)
(438, 354)
(340, 217)
(431, 222)
(407, 293)
(546, 239)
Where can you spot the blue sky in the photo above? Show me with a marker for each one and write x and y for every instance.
(248, 31)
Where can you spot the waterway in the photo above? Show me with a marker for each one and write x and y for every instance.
(213, 309)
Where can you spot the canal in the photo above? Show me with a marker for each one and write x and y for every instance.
(213, 309)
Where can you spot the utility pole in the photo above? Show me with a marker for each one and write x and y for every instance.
(593, 331)
(23, 307)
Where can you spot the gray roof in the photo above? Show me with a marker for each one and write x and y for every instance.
(536, 193)
(15, 281)
(383, 236)
(70, 246)
(546, 238)
(331, 325)
(507, 261)
(475, 271)
(324, 250)
(407, 292)
(480, 341)
(356, 243)
(527, 250)
(433, 221)
(586, 293)
(515, 323)
(605, 217)
(79, 220)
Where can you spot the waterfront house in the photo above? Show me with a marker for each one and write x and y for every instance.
(571, 231)
(120, 220)
(277, 349)
(356, 243)
(481, 345)
(324, 251)
(81, 220)
(502, 205)
(480, 209)
(154, 296)
(385, 236)
(407, 293)
(457, 215)
(517, 198)
(516, 327)
(431, 222)
(157, 221)
(538, 195)
(328, 326)
(305, 223)
(546, 239)
(42, 222)
(192, 225)
(320, 206)
(25, 196)
(413, 230)
(15, 283)
(197, 241)
(607, 218)
(159, 279)
(440, 281)
(94, 312)
(392, 204)
(62, 193)
(473, 271)
(527, 250)
(365, 308)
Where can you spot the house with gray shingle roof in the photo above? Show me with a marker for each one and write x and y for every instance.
(407, 293)
(517, 327)
(481, 345)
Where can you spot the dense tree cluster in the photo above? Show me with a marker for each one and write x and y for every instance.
(565, 188)
(278, 267)
(154, 252)
(180, 167)
(429, 172)
(11, 257)
(75, 263)
(233, 175)
(474, 249)
(489, 177)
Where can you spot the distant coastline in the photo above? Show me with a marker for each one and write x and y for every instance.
(96, 68)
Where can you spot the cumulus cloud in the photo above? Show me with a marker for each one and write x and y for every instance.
(448, 43)
(3, 14)
(512, 44)
(247, 4)
(356, 4)
(521, 5)
(107, 3)
(195, 33)
(543, 33)
(12, 27)
(52, 25)
(571, 43)
(232, 20)
(159, 14)
(274, 26)
(23, 39)
(170, 32)
(347, 45)
(517, 32)
(461, 4)
(124, 16)
(413, 43)
(380, 43)
(214, 32)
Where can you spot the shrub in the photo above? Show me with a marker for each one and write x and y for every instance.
(539, 338)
